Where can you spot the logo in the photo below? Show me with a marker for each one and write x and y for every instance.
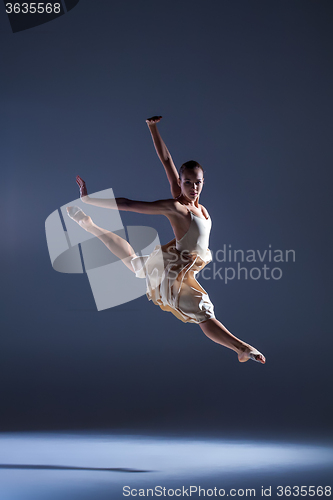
(73, 250)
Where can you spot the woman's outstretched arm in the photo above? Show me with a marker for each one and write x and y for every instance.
(161, 207)
(164, 155)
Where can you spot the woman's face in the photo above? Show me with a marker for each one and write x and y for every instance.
(191, 183)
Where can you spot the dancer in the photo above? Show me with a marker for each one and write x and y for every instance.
(170, 270)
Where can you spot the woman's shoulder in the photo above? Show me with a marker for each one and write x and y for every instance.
(178, 204)
(204, 211)
(175, 206)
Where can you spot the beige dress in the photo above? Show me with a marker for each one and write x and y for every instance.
(170, 272)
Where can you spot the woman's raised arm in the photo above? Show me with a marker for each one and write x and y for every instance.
(164, 155)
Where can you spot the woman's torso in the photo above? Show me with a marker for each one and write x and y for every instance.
(196, 239)
(192, 229)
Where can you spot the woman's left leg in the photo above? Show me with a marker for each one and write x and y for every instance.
(117, 245)
(218, 333)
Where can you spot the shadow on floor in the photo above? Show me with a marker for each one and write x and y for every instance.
(64, 467)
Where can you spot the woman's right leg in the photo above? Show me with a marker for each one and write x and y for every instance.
(218, 333)
(117, 245)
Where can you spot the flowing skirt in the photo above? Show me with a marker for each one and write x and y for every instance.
(171, 283)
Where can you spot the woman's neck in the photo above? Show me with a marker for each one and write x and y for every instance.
(186, 201)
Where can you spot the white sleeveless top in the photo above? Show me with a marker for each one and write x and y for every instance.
(197, 237)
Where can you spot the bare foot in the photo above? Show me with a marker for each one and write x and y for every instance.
(82, 185)
(153, 120)
(79, 216)
(251, 353)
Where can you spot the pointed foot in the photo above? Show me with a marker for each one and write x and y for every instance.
(251, 353)
(79, 216)
(257, 356)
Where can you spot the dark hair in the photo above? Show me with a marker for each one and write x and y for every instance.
(189, 165)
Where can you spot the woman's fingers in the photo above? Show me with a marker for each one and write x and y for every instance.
(153, 119)
(79, 180)
(82, 185)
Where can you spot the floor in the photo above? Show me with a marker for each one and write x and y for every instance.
(106, 466)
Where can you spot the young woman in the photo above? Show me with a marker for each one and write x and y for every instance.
(171, 269)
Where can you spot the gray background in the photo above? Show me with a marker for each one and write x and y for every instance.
(244, 88)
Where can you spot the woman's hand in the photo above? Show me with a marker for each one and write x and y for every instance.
(82, 185)
(153, 120)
